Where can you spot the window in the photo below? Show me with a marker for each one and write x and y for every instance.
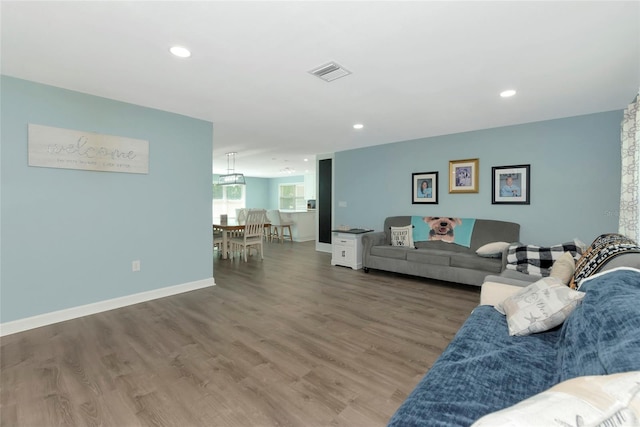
(292, 197)
(228, 198)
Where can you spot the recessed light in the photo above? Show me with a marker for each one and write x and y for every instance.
(306, 160)
(358, 126)
(507, 93)
(181, 52)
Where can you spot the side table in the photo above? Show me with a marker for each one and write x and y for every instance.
(347, 247)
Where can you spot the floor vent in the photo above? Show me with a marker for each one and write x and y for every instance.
(330, 72)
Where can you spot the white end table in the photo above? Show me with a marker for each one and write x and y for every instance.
(347, 247)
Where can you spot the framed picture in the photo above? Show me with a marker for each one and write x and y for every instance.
(463, 176)
(424, 188)
(510, 185)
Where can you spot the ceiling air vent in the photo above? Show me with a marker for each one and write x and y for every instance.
(329, 72)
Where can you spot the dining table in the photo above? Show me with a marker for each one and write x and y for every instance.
(228, 228)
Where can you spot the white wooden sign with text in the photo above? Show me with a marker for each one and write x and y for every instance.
(51, 147)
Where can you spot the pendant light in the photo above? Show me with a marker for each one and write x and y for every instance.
(231, 178)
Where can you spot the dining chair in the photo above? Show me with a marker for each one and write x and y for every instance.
(241, 215)
(280, 222)
(252, 235)
(274, 220)
(218, 240)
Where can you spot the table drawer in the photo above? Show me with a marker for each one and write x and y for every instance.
(344, 242)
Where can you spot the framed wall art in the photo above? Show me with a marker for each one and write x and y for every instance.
(59, 148)
(424, 188)
(510, 185)
(463, 176)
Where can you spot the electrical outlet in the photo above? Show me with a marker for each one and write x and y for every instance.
(135, 265)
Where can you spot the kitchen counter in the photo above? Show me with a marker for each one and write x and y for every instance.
(304, 227)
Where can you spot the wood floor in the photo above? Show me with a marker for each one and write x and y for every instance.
(288, 341)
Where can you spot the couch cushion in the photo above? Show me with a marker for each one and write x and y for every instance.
(602, 335)
(481, 371)
(443, 246)
(476, 262)
(429, 256)
(488, 230)
(394, 252)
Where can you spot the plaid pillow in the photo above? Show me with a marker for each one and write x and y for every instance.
(537, 260)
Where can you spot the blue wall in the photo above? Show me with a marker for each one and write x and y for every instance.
(575, 177)
(69, 236)
(258, 193)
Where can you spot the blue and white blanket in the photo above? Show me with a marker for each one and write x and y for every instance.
(538, 260)
(446, 229)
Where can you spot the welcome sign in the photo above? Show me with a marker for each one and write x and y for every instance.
(51, 147)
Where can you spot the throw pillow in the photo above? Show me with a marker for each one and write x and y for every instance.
(402, 236)
(492, 250)
(599, 400)
(537, 260)
(603, 248)
(563, 268)
(539, 307)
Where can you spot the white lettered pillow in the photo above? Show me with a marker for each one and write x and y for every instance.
(402, 236)
(539, 307)
(599, 400)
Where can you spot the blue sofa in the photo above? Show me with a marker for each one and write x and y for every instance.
(484, 369)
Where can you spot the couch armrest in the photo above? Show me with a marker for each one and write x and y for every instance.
(493, 293)
(370, 240)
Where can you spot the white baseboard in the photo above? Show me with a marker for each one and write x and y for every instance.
(324, 247)
(33, 322)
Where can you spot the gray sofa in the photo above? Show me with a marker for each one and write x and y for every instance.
(438, 259)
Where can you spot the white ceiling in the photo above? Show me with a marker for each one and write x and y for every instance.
(419, 68)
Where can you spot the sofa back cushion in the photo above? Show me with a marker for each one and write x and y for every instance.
(484, 231)
(488, 231)
(602, 335)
